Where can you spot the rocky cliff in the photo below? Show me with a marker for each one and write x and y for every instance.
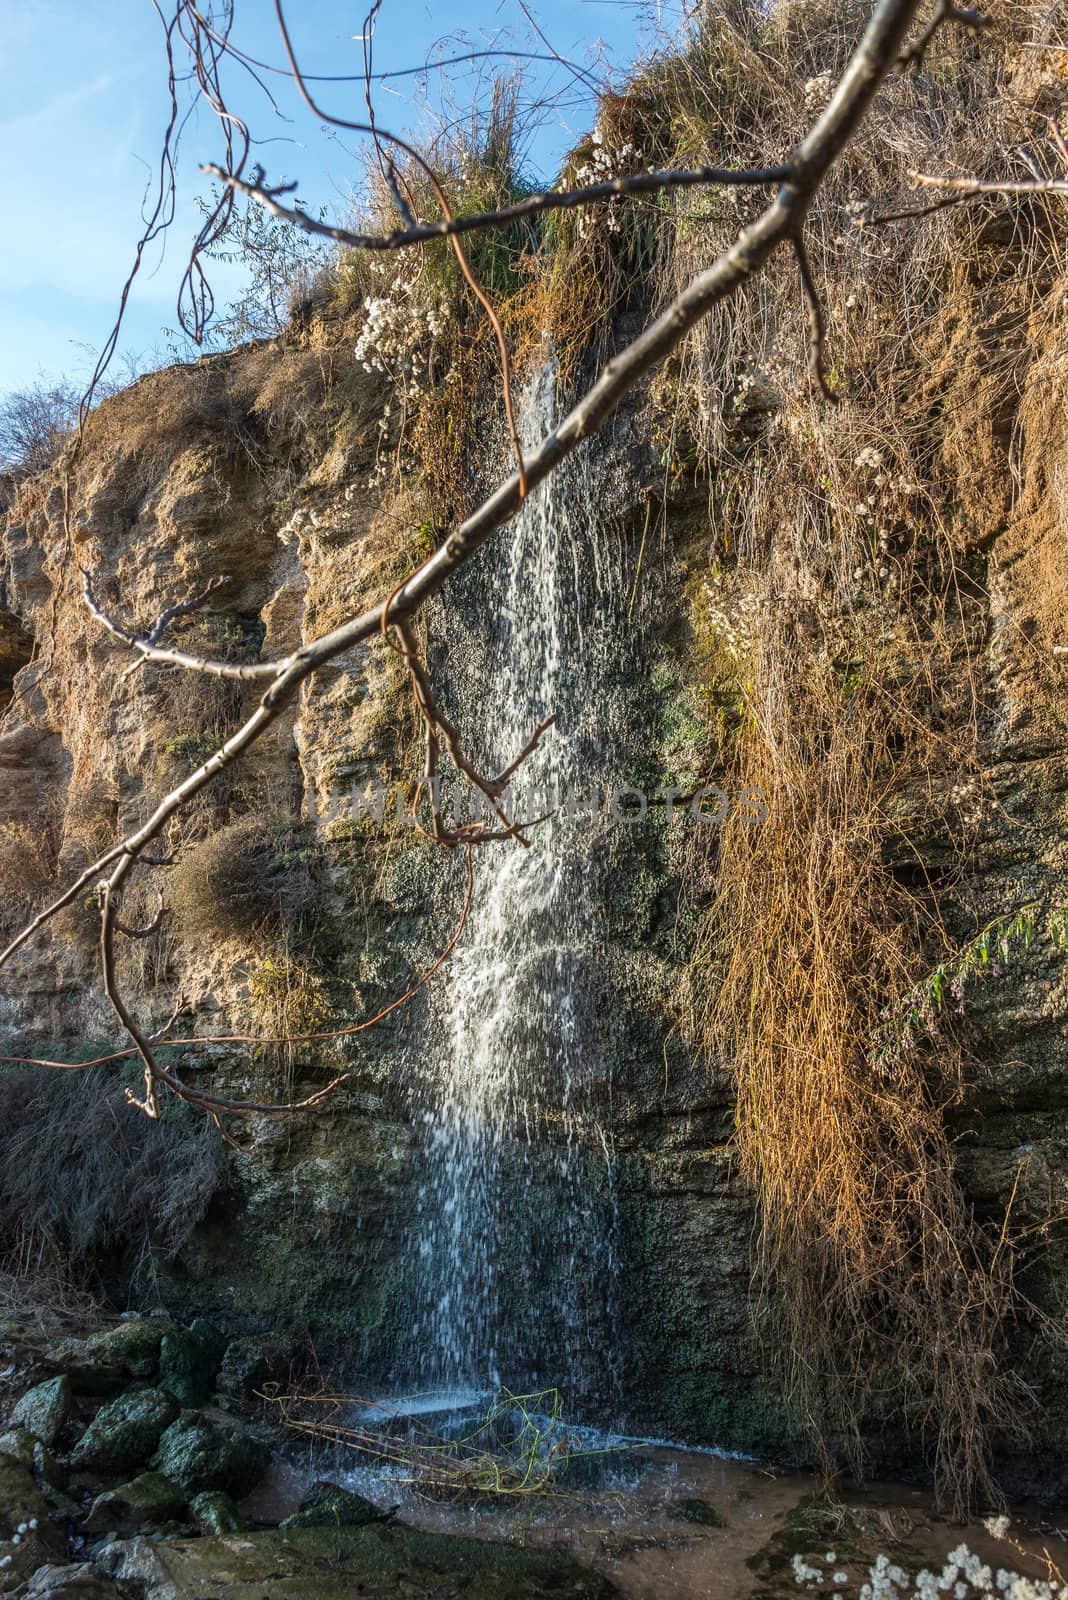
(287, 914)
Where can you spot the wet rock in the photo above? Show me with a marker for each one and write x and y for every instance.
(124, 1433)
(198, 1455)
(335, 1564)
(81, 1582)
(327, 1505)
(213, 1512)
(148, 1498)
(695, 1510)
(189, 1362)
(249, 1363)
(44, 1409)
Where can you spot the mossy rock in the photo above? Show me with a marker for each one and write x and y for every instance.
(134, 1346)
(213, 1512)
(44, 1409)
(200, 1455)
(385, 1560)
(148, 1498)
(327, 1505)
(698, 1511)
(124, 1433)
(249, 1363)
(20, 1499)
(189, 1361)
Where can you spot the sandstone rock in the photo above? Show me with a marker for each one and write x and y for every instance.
(148, 1498)
(44, 1409)
(124, 1433)
(198, 1455)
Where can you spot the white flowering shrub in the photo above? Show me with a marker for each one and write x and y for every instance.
(963, 1576)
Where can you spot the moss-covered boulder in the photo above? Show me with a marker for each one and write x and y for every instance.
(198, 1455)
(44, 1409)
(132, 1345)
(249, 1363)
(148, 1499)
(189, 1361)
(213, 1512)
(327, 1505)
(125, 1432)
(381, 1559)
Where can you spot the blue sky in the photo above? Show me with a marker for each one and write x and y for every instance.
(83, 97)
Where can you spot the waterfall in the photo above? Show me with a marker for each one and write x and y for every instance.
(514, 1233)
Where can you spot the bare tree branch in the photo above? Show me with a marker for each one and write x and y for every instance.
(817, 324)
(422, 232)
(149, 650)
(944, 11)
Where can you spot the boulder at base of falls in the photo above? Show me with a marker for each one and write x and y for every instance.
(213, 1512)
(44, 1409)
(248, 1363)
(124, 1433)
(382, 1558)
(327, 1505)
(200, 1454)
(146, 1500)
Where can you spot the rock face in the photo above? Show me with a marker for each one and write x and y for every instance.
(288, 915)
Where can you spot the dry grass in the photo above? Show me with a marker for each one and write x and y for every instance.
(28, 861)
(888, 1304)
(844, 612)
(521, 1447)
(82, 1182)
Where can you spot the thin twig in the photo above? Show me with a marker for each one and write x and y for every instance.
(817, 325)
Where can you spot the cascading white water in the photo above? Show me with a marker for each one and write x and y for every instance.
(514, 1231)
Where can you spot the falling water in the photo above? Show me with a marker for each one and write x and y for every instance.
(515, 1224)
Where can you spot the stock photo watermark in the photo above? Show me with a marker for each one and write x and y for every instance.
(383, 805)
